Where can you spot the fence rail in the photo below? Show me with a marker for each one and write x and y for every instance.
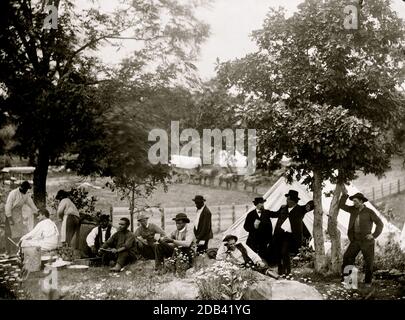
(222, 216)
(385, 189)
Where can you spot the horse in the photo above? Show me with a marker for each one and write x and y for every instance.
(228, 178)
(207, 173)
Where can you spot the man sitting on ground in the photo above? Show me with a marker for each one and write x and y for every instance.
(100, 234)
(120, 248)
(146, 236)
(181, 238)
(45, 234)
(242, 255)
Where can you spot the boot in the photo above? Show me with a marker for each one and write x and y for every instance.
(117, 268)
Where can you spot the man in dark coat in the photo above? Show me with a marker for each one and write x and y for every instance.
(288, 232)
(260, 229)
(359, 233)
(202, 225)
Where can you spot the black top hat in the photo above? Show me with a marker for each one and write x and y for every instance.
(259, 200)
(230, 237)
(199, 198)
(359, 196)
(181, 216)
(293, 195)
(104, 216)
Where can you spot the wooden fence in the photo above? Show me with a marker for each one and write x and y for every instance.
(222, 216)
(385, 189)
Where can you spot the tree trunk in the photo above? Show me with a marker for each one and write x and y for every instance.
(40, 174)
(333, 231)
(132, 207)
(318, 223)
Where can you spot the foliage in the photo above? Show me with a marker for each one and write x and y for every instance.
(389, 257)
(84, 203)
(323, 97)
(305, 256)
(223, 281)
(179, 263)
(68, 253)
(56, 86)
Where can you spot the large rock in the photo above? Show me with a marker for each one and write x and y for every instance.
(179, 290)
(294, 290)
(270, 289)
(261, 290)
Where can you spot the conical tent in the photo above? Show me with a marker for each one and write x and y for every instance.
(275, 198)
(403, 238)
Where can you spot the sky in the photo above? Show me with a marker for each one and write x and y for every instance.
(231, 22)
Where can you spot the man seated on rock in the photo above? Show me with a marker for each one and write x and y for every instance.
(181, 238)
(146, 237)
(242, 255)
(45, 234)
(120, 248)
(98, 235)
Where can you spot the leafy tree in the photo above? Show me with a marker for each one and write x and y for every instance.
(326, 98)
(53, 78)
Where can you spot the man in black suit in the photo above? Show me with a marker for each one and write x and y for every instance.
(288, 232)
(202, 225)
(260, 229)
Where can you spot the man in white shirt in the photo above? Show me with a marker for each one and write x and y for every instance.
(100, 234)
(181, 238)
(45, 234)
(289, 230)
(19, 211)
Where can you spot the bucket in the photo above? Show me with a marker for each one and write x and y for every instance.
(32, 258)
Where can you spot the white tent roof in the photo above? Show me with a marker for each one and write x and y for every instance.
(234, 160)
(403, 238)
(185, 162)
(275, 198)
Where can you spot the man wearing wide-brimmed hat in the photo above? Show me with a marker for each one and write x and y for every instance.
(146, 236)
(260, 229)
(202, 224)
(181, 238)
(289, 230)
(360, 233)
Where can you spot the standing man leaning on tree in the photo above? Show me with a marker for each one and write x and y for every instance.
(289, 230)
(359, 233)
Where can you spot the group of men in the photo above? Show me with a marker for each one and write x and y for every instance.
(266, 245)
(121, 247)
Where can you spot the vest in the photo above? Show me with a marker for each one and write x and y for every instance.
(99, 239)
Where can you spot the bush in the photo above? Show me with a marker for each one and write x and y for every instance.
(390, 257)
(179, 262)
(305, 256)
(83, 202)
(224, 281)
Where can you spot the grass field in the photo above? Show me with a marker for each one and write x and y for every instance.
(178, 195)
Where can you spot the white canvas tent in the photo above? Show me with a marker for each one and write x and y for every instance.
(275, 198)
(403, 238)
(185, 162)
